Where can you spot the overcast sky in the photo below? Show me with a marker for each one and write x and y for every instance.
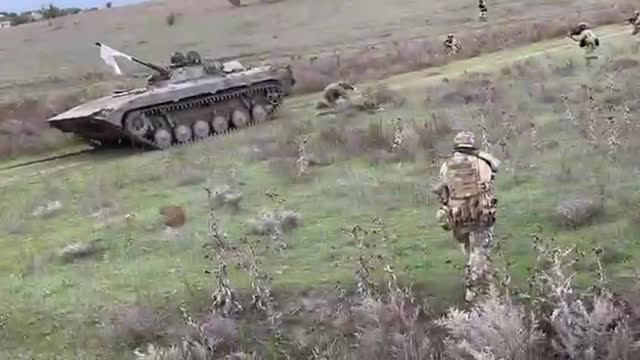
(24, 5)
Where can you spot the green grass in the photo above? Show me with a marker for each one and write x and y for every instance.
(56, 310)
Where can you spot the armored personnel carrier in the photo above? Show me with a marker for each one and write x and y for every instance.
(189, 100)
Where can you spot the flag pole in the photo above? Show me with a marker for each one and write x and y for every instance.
(157, 68)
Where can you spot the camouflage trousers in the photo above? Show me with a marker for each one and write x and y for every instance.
(477, 245)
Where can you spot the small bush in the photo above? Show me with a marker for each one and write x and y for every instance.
(574, 213)
(137, 325)
(173, 216)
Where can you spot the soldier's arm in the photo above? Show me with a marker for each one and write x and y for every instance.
(440, 188)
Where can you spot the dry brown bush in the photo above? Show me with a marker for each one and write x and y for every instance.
(136, 325)
(173, 216)
(494, 328)
(23, 127)
(577, 212)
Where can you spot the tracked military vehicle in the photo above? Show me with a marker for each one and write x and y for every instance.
(190, 100)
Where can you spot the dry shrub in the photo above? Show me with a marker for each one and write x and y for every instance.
(270, 222)
(495, 328)
(391, 328)
(431, 131)
(173, 216)
(309, 78)
(334, 135)
(220, 333)
(23, 129)
(577, 212)
(137, 325)
(381, 94)
(621, 64)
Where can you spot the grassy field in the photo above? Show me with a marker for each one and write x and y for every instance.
(52, 307)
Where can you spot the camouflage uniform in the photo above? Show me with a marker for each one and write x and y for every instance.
(635, 21)
(451, 44)
(178, 59)
(482, 6)
(343, 95)
(336, 91)
(586, 38)
(466, 191)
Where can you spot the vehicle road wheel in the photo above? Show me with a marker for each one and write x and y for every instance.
(220, 124)
(183, 133)
(163, 138)
(240, 118)
(138, 125)
(201, 129)
(259, 113)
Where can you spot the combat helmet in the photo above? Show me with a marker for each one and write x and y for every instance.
(178, 59)
(464, 140)
(194, 58)
(583, 26)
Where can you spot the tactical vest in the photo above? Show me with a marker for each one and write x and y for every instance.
(471, 201)
(463, 177)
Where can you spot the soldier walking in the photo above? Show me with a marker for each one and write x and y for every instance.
(467, 195)
(482, 6)
(451, 45)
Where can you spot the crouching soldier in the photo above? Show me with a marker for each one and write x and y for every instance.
(340, 96)
(587, 40)
(451, 45)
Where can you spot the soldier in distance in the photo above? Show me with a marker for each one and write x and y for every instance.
(583, 35)
(451, 45)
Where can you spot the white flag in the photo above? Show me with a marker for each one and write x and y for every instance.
(108, 55)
